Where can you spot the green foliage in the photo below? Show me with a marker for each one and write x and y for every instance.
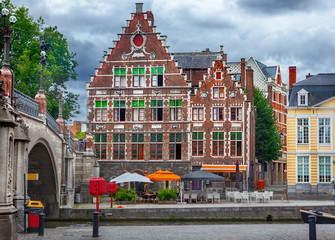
(79, 134)
(124, 195)
(166, 194)
(267, 138)
(25, 61)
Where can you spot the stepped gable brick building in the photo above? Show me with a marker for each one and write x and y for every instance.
(146, 113)
(139, 103)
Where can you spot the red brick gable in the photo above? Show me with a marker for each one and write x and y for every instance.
(126, 54)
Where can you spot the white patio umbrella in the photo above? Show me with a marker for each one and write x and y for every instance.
(131, 177)
(121, 176)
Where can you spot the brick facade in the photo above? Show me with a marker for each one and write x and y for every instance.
(142, 108)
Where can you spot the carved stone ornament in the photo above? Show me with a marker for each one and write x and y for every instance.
(204, 94)
(232, 94)
(100, 127)
(157, 91)
(119, 92)
(137, 126)
(138, 41)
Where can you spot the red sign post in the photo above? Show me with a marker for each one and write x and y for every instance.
(97, 188)
(111, 188)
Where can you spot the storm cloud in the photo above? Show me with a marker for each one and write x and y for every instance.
(286, 33)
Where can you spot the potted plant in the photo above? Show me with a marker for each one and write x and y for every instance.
(124, 196)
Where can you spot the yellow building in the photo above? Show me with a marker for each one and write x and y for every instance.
(310, 129)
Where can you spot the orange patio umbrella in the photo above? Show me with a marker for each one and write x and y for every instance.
(161, 175)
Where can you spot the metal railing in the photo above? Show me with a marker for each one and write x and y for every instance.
(26, 104)
(51, 122)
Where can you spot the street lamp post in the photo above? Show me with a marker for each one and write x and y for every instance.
(6, 30)
(6, 74)
(43, 60)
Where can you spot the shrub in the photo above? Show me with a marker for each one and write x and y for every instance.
(124, 195)
(166, 194)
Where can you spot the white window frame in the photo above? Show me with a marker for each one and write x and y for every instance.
(330, 131)
(309, 168)
(303, 135)
(302, 93)
(331, 168)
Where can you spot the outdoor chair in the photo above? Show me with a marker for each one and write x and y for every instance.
(186, 197)
(266, 196)
(210, 197)
(217, 197)
(253, 195)
(245, 196)
(194, 197)
(271, 195)
(259, 197)
(237, 197)
(230, 196)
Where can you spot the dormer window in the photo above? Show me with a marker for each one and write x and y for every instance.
(302, 98)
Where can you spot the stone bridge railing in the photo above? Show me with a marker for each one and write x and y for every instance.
(26, 104)
(29, 106)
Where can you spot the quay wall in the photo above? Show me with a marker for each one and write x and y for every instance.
(245, 212)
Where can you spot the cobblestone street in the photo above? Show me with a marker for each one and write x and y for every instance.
(183, 232)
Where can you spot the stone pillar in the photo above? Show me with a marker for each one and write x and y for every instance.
(42, 106)
(8, 212)
(69, 182)
(275, 175)
(7, 77)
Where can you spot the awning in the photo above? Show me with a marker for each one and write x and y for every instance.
(222, 168)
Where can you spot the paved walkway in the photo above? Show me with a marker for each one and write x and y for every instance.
(194, 232)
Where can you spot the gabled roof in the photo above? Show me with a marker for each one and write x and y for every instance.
(319, 87)
(195, 60)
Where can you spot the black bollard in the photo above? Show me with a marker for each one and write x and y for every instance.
(312, 227)
(95, 224)
(41, 225)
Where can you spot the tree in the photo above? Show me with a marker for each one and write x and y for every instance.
(25, 61)
(267, 138)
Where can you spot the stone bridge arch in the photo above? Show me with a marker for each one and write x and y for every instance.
(41, 160)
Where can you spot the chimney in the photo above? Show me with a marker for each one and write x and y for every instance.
(309, 75)
(250, 84)
(139, 7)
(243, 72)
(292, 73)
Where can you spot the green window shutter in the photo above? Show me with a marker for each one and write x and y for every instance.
(233, 136)
(239, 136)
(159, 137)
(122, 103)
(141, 138)
(135, 103)
(159, 103)
(215, 135)
(153, 103)
(117, 71)
(104, 137)
(123, 71)
(122, 137)
(221, 136)
(135, 71)
(141, 71)
(154, 70)
(172, 137)
(172, 103)
(97, 138)
(134, 137)
(178, 137)
(115, 138)
(116, 104)
(200, 135)
(141, 103)
(160, 70)
(180, 103)
(194, 136)
(153, 137)
(104, 103)
(97, 103)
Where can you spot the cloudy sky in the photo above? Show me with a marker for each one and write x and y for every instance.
(276, 32)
